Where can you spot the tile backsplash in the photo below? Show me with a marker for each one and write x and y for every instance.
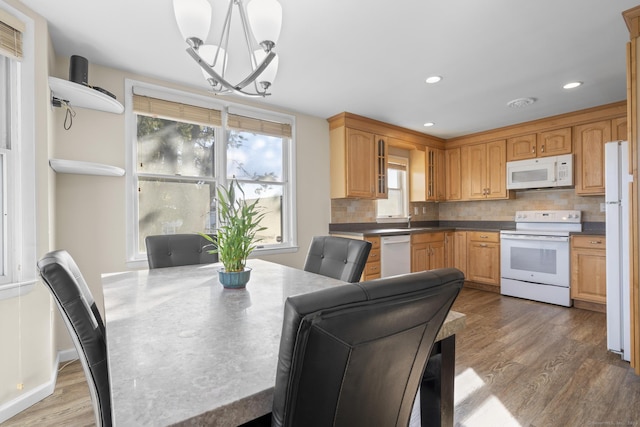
(347, 211)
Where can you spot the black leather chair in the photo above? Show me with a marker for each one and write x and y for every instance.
(337, 257)
(82, 318)
(354, 355)
(172, 250)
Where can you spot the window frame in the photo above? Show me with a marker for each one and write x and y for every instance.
(20, 168)
(136, 258)
(404, 162)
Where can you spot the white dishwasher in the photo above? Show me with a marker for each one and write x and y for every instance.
(395, 252)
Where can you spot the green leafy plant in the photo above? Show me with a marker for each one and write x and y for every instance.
(239, 224)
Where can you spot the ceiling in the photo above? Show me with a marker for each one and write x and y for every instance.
(371, 57)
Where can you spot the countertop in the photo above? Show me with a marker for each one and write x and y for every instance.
(395, 229)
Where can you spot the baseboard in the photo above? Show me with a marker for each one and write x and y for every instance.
(30, 397)
(66, 355)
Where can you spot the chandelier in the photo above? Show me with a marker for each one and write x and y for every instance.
(261, 22)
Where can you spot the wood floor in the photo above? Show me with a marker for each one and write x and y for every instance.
(518, 363)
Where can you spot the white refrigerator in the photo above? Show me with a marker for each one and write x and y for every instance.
(617, 181)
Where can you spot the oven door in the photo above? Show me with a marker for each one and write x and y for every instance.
(535, 258)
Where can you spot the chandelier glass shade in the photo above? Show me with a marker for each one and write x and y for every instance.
(261, 23)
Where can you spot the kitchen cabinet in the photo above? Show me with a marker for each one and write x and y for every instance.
(427, 251)
(453, 179)
(449, 249)
(358, 164)
(372, 267)
(543, 144)
(460, 253)
(589, 140)
(435, 174)
(484, 171)
(619, 129)
(483, 258)
(588, 272)
(427, 175)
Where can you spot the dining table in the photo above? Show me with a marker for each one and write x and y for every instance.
(183, 350)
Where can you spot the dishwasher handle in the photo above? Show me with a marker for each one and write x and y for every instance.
(396, 240)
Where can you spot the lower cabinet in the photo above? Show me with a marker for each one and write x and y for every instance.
(373, 267)
(427, 251)
(460, 251)
(483, 259)
(588, 272)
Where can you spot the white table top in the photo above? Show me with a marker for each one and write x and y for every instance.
(183, 349)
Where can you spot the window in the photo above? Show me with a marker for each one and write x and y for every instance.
(396, 205)
(181, 151)
(17, 159)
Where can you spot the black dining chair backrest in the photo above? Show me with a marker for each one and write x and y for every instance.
(338, 257)
(62, 276)
(354, 355)
(172, 250)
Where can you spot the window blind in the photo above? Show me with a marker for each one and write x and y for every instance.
(175, 110)
(266, 127)
(11, 30)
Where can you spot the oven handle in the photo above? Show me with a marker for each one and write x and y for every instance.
(530, 237)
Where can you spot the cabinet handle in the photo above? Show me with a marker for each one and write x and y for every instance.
(484, 237)
(533, 150)
(542, 148)
(483, 245)
(596, 242)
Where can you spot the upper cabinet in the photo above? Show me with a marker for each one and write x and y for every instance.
(542, 144)
(453, 181)
(358, 164)
(483, 171)
(589, 140)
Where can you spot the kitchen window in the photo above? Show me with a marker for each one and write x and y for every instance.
(396, 205)
(184, 146)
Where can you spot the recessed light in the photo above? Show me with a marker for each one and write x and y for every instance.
(429, 124)
(433, 79)
(572, 85)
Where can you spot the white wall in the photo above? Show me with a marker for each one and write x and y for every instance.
(91, 209)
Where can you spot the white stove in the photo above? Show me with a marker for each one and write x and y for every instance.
(534, 258)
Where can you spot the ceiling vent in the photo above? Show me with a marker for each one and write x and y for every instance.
(521, 102)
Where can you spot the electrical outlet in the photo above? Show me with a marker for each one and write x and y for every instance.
(603, 207)
(424, 209)
(415, 210)
(19, 386)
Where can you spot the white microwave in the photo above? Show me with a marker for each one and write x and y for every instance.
(543, 172)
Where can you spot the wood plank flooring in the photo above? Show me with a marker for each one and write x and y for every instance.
(518, 363)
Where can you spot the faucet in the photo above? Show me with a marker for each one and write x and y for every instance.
(409, 221)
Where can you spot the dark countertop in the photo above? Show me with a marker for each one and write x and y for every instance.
(395, 229)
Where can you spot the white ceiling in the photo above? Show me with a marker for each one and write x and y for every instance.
(371, 57)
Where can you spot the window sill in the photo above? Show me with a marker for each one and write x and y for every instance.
(13, 290)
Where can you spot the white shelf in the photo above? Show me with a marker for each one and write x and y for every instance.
(83, 96)
(84, 168)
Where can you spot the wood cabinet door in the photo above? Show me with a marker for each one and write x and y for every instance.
(449, 249)
(432, 174)
(419, 257)
(453, 187)
(437, 255)
(521, 147)
(483, 262)
(380, 167)
(619, 129)
(441, 176)
(496, 170)
(460, 247)
(361, 172)
(588, 275)
(474, 171)
(589, 140)
(554, 142)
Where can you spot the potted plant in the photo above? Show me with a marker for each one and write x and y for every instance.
(239, 222)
